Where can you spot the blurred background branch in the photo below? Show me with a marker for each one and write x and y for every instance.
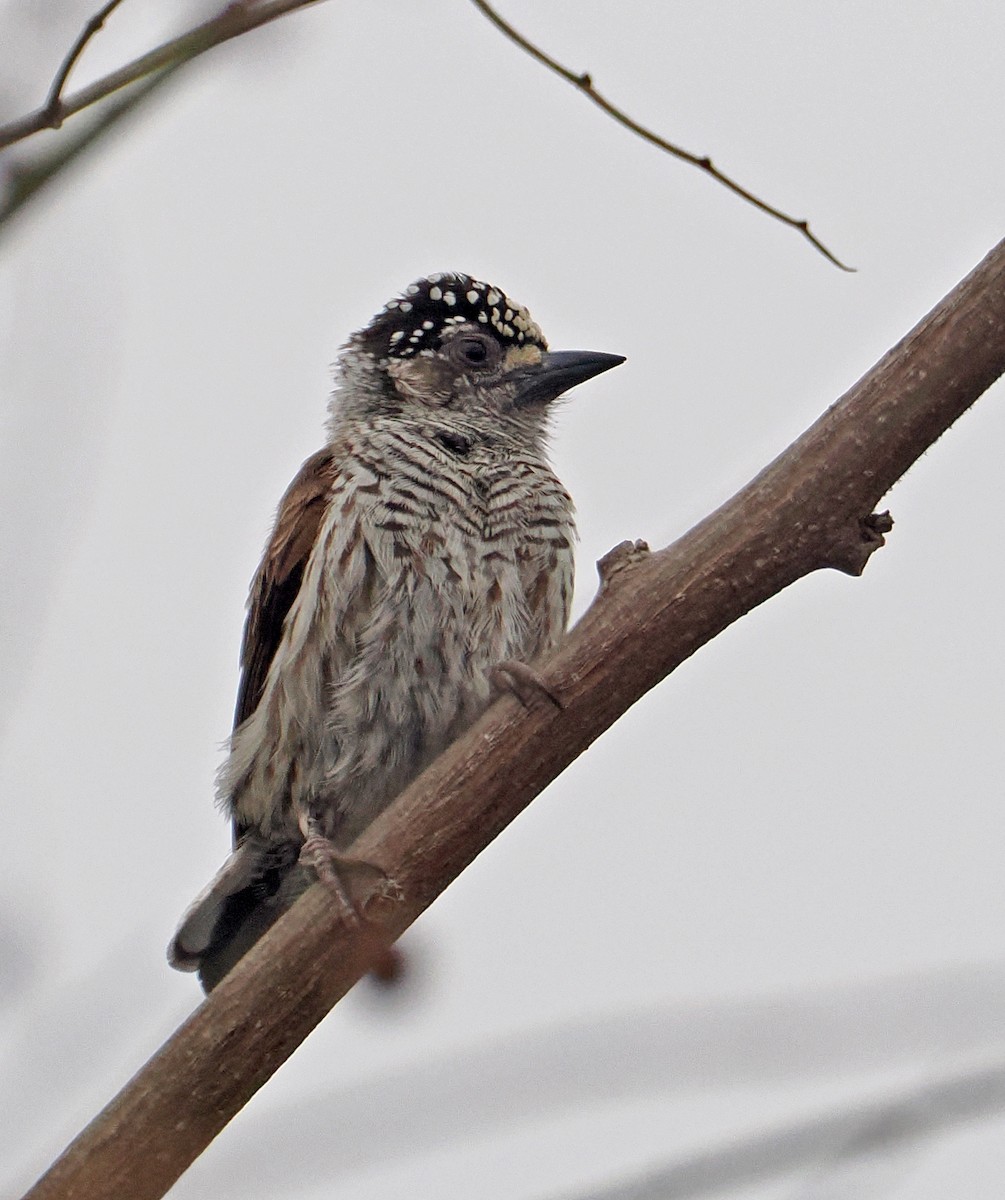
(232, 20)
(25, 178)
(850, 1133)
(664, 1058)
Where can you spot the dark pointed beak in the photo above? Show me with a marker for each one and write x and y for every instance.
(560, 370)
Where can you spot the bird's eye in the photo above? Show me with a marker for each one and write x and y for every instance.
(474, 351)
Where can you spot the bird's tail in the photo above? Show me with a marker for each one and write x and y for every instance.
(252, 889)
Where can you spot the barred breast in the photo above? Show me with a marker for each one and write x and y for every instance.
(441, 553)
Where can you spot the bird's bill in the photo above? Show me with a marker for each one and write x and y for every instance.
(560, 370)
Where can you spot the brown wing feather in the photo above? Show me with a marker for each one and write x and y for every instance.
(280, 574)
(278, 580)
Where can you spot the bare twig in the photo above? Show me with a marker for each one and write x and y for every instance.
(240, 16)
(53, 103)
(808, 509)
(234, 19)
(584, 82)
(26, 179)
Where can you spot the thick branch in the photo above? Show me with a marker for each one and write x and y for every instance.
(811, 508)
(584, 82)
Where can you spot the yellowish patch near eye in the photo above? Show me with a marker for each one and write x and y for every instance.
(521, 356)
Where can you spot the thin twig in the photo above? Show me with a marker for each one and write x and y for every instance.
(584, 83)
(26, 179)
(53, 103)
(232, 20)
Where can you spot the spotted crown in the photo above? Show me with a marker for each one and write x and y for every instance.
(415, 322)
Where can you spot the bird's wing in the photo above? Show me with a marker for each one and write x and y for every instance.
(260, 879)
(279, 575)
(278, 578)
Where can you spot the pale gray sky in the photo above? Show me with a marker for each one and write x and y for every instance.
(801, 832)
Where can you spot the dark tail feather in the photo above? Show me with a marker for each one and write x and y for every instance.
(249, 893)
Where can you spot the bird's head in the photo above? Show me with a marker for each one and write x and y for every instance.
(460, 349)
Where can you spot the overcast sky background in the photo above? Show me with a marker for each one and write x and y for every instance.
(775, 888)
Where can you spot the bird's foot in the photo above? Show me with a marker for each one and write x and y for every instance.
(523, 681)
(355, 886)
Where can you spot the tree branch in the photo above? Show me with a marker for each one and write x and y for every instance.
(584, 82)
(811, 508)
(239, 16)
(232, 20)
(830, 1140)
(26, 179)
(53, 104)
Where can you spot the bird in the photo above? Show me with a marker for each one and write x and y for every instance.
(427, 545)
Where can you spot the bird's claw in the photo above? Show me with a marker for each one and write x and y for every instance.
(523, 681)
(355, 886)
